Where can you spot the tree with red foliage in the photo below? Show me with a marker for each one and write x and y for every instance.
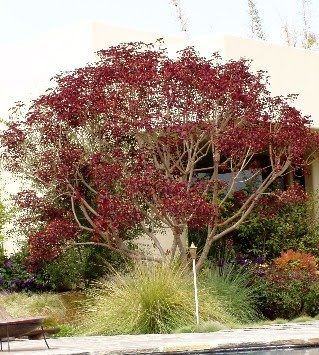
(139, 141)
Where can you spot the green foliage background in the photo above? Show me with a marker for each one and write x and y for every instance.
(293, 227)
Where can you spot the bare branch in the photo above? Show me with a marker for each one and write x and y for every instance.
(154, 239)
(76, 218)
(181, 17)
(255, 21)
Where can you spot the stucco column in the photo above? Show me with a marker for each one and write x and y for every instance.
(312, 178)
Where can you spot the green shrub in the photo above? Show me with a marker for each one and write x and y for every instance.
(77, 267)
(2, 254)
(160, 299)
(288, 287)
(66, 272)
(282, 301)
(14, 276)
(292, 227)
(4, 217)
(311, 300)
(67, 330)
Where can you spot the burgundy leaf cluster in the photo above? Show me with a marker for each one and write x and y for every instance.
(48, 243)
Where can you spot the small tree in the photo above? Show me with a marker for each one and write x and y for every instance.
(139, 142)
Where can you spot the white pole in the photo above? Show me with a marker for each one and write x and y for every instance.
(195, 293)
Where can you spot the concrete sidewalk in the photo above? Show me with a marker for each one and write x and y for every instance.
(276, 335)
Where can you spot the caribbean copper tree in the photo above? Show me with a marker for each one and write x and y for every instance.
(139, 142)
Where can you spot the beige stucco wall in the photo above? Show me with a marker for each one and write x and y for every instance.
(103, 36)
(291, 70)
(165, 238)
(312, 178)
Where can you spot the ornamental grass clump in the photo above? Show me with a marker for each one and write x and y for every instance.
(20, 304)
(59, 309)
(150, 299)
(232, 287)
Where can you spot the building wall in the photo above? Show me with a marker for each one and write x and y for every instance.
(103, 36)
(291, 70)
(312, 178)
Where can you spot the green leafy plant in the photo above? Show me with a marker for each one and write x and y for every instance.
(3, 218)
(14, 275)
(2, 254)
(77, 267)
(291, 227)
(311, 300)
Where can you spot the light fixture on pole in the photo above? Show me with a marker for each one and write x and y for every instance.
(192, 252)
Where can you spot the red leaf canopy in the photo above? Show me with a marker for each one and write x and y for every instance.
(122, 144)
